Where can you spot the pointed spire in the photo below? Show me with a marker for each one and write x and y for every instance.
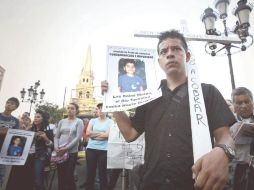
(85, 89)
(86, 72)
(88, 63)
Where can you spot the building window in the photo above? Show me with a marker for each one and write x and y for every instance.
(87, 94)
(80, 95)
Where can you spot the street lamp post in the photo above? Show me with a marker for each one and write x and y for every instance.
(242, 12)
(32, 95)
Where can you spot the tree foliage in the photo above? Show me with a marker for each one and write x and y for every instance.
(55, 112)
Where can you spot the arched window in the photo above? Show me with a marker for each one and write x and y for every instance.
(87, 94)
(80, 94)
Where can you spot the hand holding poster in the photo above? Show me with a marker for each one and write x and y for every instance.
(131, 77)
(16, 147)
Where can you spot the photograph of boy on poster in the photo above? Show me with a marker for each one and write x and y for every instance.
(131, 75)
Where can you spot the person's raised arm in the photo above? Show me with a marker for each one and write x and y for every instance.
(124, 124)
(122, 120)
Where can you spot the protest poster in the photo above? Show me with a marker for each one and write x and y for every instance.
(244, 129)
(131, 76)
(16, 147)
(122, 154)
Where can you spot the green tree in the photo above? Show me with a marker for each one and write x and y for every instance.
(55, 112)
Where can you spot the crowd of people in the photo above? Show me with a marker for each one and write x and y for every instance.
(70, 133)
(169, 162)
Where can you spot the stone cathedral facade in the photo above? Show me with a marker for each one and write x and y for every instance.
(84, 89)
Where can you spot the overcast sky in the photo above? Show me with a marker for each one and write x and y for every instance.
(47, 40)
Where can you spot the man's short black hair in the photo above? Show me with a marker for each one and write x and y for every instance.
(15, 100)
(241, 91)
(99, 105)
(172, 34)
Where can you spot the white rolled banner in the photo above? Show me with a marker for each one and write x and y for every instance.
(201, 140)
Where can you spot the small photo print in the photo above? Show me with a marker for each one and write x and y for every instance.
(131, 75)
(16, 146)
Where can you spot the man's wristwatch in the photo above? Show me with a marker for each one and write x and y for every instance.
(228, 150)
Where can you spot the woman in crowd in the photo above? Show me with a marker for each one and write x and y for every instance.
(96, 152)
(25, 121)
(68, 135)
(39, 154)
(43, 141)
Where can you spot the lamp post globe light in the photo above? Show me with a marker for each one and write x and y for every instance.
(32, 95)
(240, 30)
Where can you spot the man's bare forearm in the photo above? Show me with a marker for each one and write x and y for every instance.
(124, 124)
(222, 136)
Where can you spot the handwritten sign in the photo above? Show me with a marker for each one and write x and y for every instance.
(122, 154)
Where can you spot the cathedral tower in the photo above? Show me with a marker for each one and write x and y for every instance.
(85, 89)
